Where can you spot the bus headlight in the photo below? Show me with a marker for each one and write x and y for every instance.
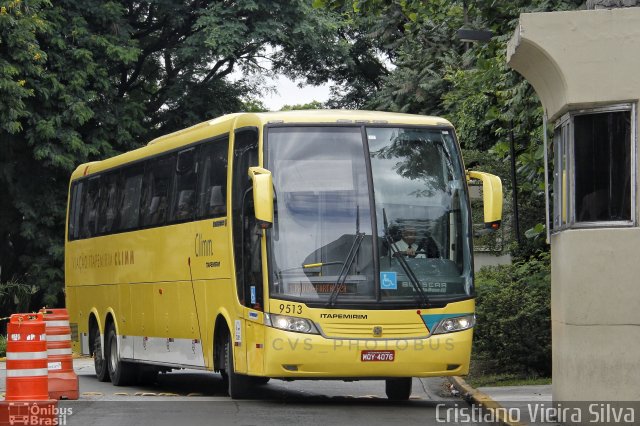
(285, 322)
(451, 325)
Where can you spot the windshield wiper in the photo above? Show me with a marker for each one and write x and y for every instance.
(311, 265)
(351, 256)
(342, 277)
(403, 262)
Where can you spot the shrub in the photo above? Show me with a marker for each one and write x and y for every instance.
(513, 332)
(15, 297)
(3, 346)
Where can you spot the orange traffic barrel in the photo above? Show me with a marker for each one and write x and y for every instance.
(26, 358)
(63, 381)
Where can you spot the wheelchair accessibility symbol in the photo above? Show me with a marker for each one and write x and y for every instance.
(388, 281)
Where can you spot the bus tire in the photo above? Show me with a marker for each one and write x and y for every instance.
(398, 389)
(238, 385)
(259, 381)
(99, 363)
(122, 373)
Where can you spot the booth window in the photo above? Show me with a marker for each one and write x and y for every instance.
(594, 168)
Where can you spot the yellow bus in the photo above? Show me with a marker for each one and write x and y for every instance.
(288, 245)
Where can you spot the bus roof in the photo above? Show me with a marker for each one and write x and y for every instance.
(225, 123)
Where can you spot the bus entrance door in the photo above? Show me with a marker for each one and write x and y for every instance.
(248, 252)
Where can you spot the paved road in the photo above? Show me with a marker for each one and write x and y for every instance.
(189, 397)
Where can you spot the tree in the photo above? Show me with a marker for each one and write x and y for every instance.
(309, 105)
(86, 80)
(353, 62)
(434, 73)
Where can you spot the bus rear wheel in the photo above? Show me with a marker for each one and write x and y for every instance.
(122, 373)
(398, 389)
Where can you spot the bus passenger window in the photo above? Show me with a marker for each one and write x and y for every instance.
(184, 201)
(158, 177)
(212, 176)
(130, 197)
(108, 203)
(74, 214)
(90, 206)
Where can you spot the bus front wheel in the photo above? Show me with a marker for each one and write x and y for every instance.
(238, 385)
(122, 373)
(398, 389)
(102, 372)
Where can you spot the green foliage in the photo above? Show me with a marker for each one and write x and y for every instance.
(504, 379)
(309, 105)
(85, 80)
(3, 346)
(15, 297)
(21, 58)
(434, 73)
(513, 331)
(254, 105)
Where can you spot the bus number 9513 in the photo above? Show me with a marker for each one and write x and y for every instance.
(290, 309)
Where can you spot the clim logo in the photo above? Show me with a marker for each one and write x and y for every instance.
(203, 247)
(124, 257)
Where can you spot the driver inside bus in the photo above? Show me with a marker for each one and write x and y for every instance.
(410, 247)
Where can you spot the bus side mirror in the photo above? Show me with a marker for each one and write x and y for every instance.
(491, 197)
(262, 196)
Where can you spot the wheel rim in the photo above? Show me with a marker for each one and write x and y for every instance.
(113, 354)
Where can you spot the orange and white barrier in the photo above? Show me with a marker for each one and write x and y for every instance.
(63, 381)
(27, 370)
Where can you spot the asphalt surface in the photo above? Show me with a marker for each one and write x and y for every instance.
(189, 397)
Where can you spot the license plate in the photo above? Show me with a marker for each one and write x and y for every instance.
(368, 356)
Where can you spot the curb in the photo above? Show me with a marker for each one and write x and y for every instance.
(477, 397)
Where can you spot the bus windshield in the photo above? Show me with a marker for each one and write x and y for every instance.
(340, 237)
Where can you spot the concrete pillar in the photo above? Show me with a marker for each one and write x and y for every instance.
(580, 60)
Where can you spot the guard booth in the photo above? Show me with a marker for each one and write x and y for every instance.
(585, 67)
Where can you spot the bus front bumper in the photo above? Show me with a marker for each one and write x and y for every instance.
(295, 355)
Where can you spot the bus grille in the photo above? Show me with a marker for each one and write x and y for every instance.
(365, 331)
